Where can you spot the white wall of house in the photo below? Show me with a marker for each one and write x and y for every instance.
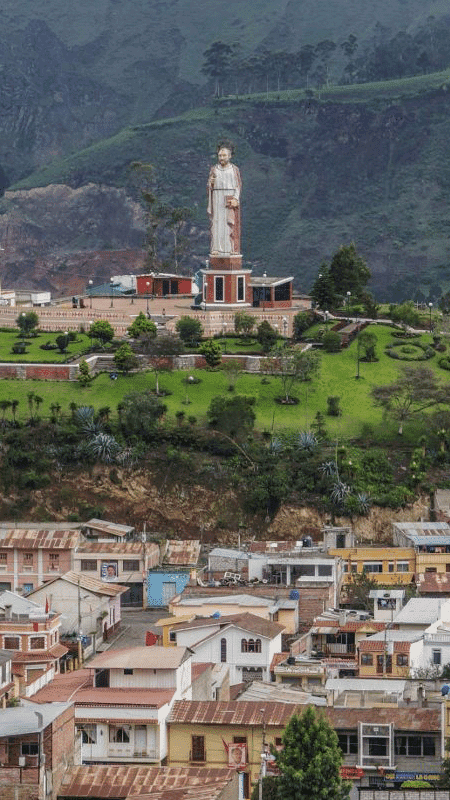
(431, 651)
(190, 636)
(63, 597)
(211, 650)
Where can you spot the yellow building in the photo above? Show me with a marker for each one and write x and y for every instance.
(166, 624)
(207, 732)
(384, 659)
(386, 565)
(282, 610)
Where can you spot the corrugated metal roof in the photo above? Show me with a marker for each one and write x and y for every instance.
(132, 548)
(104, 526)
(64, 686)
(182, 553)
(154, 657)
(23, 719)
(420, 611)
(227, 599)
(121, 698)
(94, 585)
(430, 540)
(278, 693)
(121, 781)
(44, 538)
(271, 546)
(422, 527)
(433, 582)
(208, 712)
(228, 552)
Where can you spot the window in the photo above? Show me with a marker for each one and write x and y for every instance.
(353, 567)
(37, 643)
(377, 747)
(244, 646)
(325, 569)
(283, 292)
(218, 286)
(391, 566)
(3, 560)
(278, 741)
(430, 569)
(53, 560)
(173, 636)
(29, 748)
(367, 659)
(348, 742)
(239, 740)
(402, 660)
(305, 569)
(88, 565)
(436, 657)
(254, 646)
(402, 566)
(11, 642)
(28, 558)
(240, 288)
(198, 748)
(120, 734)
(128, 672)
(131, 566)
(27, 587)
(373, 566)
(223, 650)
(88, 733)
(414, 746)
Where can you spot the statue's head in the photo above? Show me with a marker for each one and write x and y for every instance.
(224, 152)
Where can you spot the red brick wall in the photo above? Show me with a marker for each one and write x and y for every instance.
(60, 746)
(43, 372)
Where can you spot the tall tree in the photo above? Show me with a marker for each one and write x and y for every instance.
(415, 390)
(310, 760)
(234, 416)
(323, 291)
(348, 270)
(217, 64)
(292, 366)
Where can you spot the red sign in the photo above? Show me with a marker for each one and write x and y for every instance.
(351, 773)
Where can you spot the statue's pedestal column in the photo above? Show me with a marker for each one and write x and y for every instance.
(225, 283)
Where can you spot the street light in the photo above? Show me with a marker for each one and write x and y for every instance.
(90, 283)
(111, 280)
(327, 314)
(148, 288)
(348, 306)
(430, 306)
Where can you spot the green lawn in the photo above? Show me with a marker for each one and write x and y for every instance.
(337, 377)
(34, 353)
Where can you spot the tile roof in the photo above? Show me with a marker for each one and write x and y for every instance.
(182, 552)
(29, 539)
(121, 781)
(77, 686)
(368, 645)
(24, 656)
(155, 657)
(277, 659)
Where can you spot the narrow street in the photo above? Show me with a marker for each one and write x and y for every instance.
(135, 624)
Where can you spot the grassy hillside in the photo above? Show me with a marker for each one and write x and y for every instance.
(367, 163)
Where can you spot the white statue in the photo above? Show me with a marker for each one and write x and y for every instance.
(224, 192)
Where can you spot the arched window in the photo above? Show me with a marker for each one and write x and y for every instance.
(257, 645)
(251, 646)
(244, 646)
(223, 650)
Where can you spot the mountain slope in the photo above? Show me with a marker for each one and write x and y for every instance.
(358, 164)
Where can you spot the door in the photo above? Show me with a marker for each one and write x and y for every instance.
(169, 590)
(140, 739)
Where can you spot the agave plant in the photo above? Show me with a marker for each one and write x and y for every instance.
(329, 468)
(104, 448)
(364, 503)
(307, 441)
(339, 492)
(84, 418)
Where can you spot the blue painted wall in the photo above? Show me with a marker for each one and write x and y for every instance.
(162, 585)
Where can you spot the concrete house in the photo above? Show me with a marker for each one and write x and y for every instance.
(32, 554)
(88, 606)
(32, 635)
(37, 746)
(122, 702)
(7, 684)
(280, 609)
(245, 642)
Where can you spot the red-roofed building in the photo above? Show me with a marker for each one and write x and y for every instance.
(122, 702)
(29, 555)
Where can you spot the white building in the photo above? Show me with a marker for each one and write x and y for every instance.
(245, 642)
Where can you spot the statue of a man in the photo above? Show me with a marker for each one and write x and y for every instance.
(224, 191)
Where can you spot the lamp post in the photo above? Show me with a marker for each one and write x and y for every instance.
(327, 314)
(148, 288)
(111, 280)
(430, 306)
(348, 306)
(90, 283)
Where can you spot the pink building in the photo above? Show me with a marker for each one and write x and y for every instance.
(31, 555)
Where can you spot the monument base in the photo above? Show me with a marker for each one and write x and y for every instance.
(230, 263)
